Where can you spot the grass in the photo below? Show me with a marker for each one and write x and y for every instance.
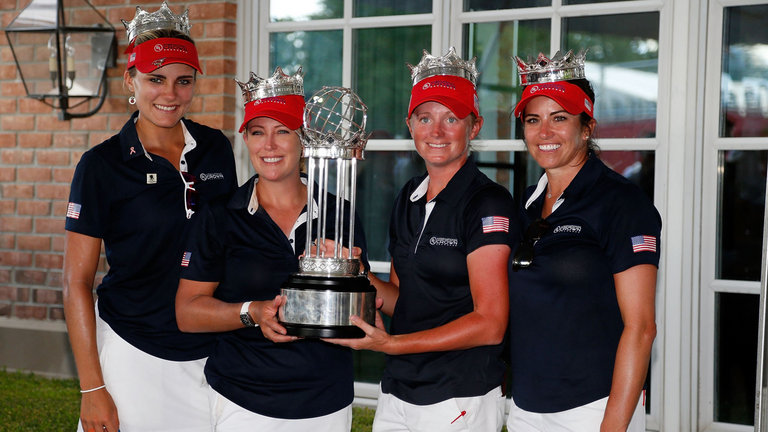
(31, 403)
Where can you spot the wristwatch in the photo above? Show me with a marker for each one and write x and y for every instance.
(245, 317)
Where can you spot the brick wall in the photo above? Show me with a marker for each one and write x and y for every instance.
(38, 152)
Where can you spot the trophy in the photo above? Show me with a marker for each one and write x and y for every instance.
(329, 288)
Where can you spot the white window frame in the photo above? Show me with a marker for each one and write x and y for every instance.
(713, 145)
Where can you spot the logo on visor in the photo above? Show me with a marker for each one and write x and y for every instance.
(587, 104)
(158, 62)
(170, 47)
(273, 99)
(555, 87)
(439, 83)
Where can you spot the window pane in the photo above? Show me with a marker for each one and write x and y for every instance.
(744, 84)
(622, 65)
(494, 44)
(742, 201)
(736, 322)
(305, 10)
(381, 77)
(481, 5)
(319, 52)
(379, 178)
(366, 8)
(637, 166)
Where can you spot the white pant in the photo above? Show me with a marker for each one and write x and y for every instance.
(586, 418)
(152, 394)
(227, 416)
(475, 414)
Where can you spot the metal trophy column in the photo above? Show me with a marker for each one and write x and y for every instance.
(329, 287)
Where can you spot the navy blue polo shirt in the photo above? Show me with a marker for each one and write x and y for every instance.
(431, 263)
(134, 202)
(565, 322)
(250, 257)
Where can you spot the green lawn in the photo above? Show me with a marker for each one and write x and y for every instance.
(30, 403)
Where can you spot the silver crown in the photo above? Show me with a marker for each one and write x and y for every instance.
(561, 67)
(449, 64)
(163, 18)
(279, 84)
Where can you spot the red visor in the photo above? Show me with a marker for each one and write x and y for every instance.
(288, 110)
(456, 93)
(156, 53)
(570, 96)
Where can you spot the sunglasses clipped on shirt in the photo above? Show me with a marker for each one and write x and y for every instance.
(523, 257)
(190, 193)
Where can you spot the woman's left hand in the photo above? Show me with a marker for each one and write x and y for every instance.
(376, 337)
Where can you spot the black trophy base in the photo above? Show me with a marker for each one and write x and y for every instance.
(320, 306)
(335, 332)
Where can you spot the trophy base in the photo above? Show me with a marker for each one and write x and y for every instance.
(320, 306)
(338, 332)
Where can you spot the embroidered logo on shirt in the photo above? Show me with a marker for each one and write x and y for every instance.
(151, 178)
(73, 210)
(211, 176)
(644, 243)
(185, 259)
(442, 241)
(574, 229)
(495, 224)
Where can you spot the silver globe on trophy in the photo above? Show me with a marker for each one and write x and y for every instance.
(329, 288)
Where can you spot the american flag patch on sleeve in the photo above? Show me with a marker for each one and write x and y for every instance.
(73, 210)
(495, 224)
(185, 259)
(643, 243)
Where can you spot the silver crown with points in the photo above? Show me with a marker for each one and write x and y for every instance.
(162, 18)
(279, 84)
(561, 67)
(448, 64)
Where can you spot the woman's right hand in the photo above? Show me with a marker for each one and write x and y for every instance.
(265, 313)
(98, 412)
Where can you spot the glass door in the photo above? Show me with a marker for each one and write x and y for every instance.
(735, 162)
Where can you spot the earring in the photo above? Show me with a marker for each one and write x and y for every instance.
(132, 100)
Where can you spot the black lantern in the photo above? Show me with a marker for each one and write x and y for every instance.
(62, 49)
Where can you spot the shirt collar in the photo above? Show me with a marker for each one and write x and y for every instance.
(132, 147)
(584, 180)
(454, 190)
(245, 197)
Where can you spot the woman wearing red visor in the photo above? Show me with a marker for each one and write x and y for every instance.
(242, 251)
(583, 278)
(451, 232)
(136, 193)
